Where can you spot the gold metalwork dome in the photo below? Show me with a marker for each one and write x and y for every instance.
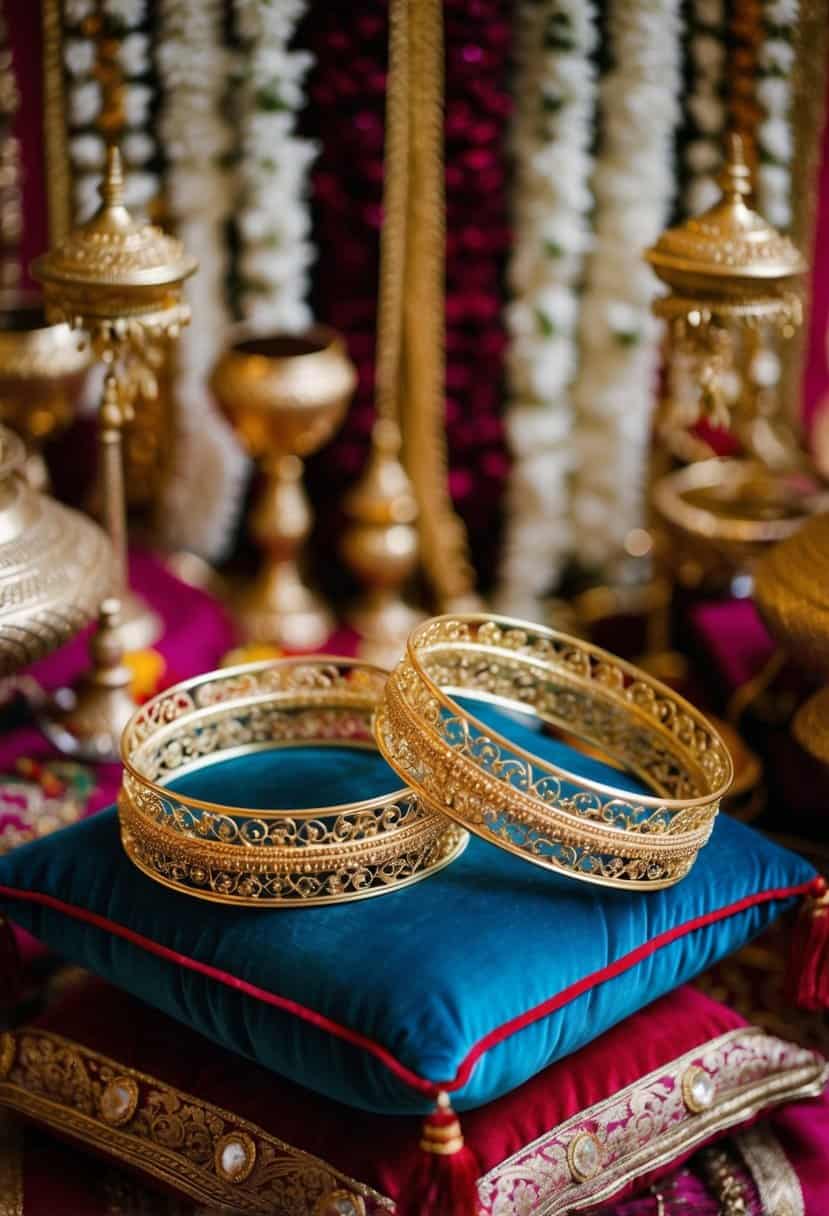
(730, 251)
(132, 267)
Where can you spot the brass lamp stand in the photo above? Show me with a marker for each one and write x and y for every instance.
(120, 281)
(732, 281)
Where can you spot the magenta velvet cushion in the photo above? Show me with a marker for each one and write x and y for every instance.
(125, 1081)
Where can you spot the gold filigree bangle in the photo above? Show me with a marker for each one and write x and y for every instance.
(270, 857)
(555, 818)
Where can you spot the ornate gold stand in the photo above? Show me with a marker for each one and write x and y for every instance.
(285, 394)
(120, 281)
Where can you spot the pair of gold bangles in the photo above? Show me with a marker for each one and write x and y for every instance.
(460, 774)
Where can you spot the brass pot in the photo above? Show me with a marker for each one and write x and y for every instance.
(42, 369)
(55, 565)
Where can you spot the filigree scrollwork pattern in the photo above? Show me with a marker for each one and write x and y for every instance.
(556, 818)
(232, 854)
(173, 1137)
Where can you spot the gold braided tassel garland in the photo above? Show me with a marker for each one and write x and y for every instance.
(443, 539)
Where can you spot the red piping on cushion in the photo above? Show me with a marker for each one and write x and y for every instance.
(412, 1079)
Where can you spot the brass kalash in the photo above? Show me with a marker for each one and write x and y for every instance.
(119, 282)
(734, 285)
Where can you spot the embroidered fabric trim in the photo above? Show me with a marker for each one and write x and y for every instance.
(648, 1123)
(406, 1075)
(172, 1136)
(777, 1183)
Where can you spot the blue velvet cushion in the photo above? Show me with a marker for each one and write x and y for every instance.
(475, 979)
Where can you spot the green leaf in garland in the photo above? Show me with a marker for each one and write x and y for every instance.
(546, 326)
(270, 101)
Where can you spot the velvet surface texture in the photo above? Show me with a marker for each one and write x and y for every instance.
(471, 981)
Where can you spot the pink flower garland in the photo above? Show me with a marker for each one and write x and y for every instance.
(347, 91)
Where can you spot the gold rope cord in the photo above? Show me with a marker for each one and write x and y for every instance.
(807, 118)
(58, 189)
(443, 539)
(393, 232)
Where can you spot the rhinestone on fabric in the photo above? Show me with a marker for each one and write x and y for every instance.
(698, 1089)
(118, 1101)
(235, 1156)
(584, 1156)
(340, 1203)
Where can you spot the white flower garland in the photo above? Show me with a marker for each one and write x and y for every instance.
(274, 221)
(87, 148)
(619, 352)
(706, 110)
(556, 94)
(203, 493)
(775, 89)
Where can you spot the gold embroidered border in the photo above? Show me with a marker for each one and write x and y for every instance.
(647, 1125)
(171, 1136)
(777, 1183)
(11, 1166)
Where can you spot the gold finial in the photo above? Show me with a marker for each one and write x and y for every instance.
(735, 175)
(112, 186)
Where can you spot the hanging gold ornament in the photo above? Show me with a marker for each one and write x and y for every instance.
(726, 270)
(119, 282)
(733, 281)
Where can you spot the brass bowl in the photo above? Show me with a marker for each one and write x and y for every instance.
(42, 368)
(791, 588)
(285, 393)
(55, 566)
(738, 508)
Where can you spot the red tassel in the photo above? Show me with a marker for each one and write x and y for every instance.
(11, 966)
(445, 1180)
(809, 973)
